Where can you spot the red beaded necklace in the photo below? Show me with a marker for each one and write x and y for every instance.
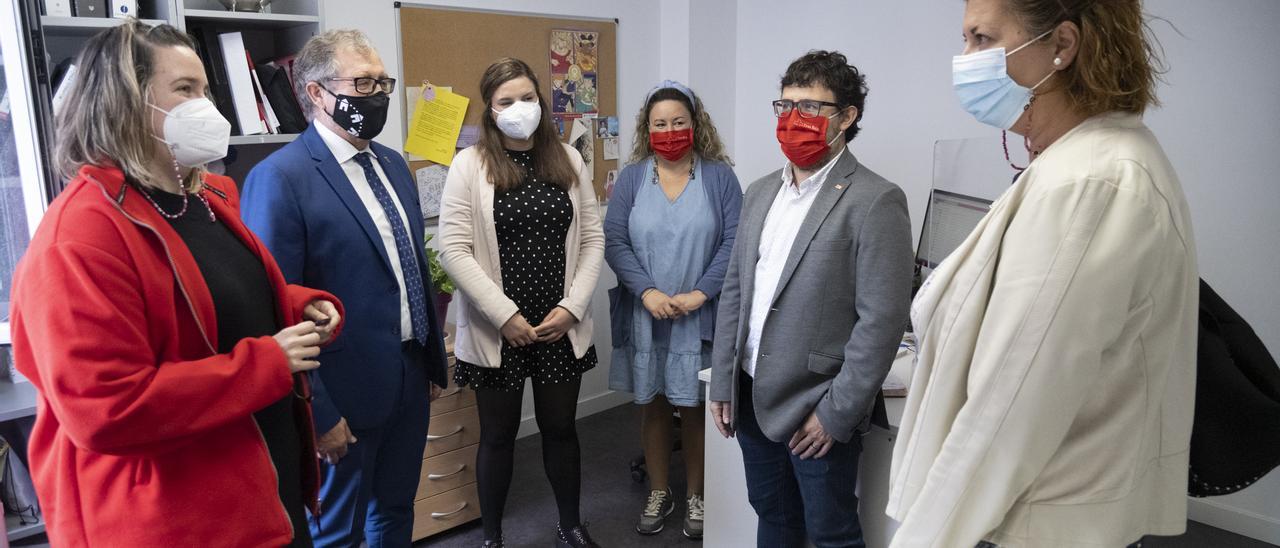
(1026, 141)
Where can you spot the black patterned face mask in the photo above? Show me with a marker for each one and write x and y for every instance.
(361, 115)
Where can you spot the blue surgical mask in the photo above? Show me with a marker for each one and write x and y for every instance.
(986, 91)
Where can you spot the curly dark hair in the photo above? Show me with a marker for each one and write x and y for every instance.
(706, 140)
(831, 70)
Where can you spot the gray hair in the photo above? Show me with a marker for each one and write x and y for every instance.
(318, 61)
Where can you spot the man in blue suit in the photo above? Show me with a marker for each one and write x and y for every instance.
(340, 213)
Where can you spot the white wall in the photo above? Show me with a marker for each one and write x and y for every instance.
(713, 62)
(1218, 125)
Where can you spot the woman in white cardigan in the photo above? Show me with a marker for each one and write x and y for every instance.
(520, 235)
(1052, 399)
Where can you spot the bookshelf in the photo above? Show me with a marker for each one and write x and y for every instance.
(276, 139)
(252, 20)
(279, 31)
(85, 26)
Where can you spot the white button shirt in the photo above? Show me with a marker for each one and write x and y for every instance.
(345, 154)
(781, 225)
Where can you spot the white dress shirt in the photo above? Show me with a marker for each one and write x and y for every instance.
(345, 154)
(781, 225)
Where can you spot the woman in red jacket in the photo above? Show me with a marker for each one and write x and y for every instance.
(160, 334)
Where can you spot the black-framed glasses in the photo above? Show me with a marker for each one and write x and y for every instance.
(366, 85)
(809, 108)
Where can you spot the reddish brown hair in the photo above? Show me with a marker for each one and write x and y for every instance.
(1116, 67)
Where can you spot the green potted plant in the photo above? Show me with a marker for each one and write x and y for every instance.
(439, 279)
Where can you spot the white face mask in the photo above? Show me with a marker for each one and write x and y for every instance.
(520, 120)
(195, 132)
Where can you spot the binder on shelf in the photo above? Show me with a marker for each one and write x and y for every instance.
(215, 71)
(250, 119)
(269, 113)
(124, 8)
(57, 8)
(285, 64)
(62, 86)
(90, 8)
(275, 82)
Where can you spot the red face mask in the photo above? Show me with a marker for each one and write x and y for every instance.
(804, 140)
(671, 145)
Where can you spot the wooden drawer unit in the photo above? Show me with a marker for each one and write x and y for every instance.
(452, 399)
(445, 511)
(447, 472)
(452, 431)
(447, 494)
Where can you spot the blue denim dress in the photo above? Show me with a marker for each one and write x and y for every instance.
(674, 240)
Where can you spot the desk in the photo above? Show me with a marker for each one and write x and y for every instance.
(730, 521)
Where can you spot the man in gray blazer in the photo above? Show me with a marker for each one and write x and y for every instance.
(811, 313)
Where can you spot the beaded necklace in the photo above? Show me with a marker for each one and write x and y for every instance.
(177, 171)
(693, 163)
(1026, 141)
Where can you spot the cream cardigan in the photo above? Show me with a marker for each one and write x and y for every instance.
(1053, 394)
(469, 254)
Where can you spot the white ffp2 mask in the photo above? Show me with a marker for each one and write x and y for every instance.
(520, 119)
(195, 132)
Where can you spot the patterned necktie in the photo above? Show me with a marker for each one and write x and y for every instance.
(404, 247)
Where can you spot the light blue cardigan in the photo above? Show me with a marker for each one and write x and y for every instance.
(725, 195)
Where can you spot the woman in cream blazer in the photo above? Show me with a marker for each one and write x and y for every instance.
(520, 235)
(1052, 399)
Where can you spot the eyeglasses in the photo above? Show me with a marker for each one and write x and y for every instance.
(367, 85)
(809, 108)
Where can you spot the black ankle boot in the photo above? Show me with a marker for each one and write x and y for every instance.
(575, 537)
(493, 543)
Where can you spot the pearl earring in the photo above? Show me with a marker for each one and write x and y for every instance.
(1057, 61)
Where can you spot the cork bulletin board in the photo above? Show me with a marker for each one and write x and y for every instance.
(452, 47)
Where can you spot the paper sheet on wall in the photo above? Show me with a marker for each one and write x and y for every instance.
(610, 148)
(431, 189)
(581, 138)
(435, 125)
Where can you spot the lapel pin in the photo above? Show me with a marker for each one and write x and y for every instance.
(839, 187)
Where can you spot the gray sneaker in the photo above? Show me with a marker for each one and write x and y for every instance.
(660, 505)
(693, 518)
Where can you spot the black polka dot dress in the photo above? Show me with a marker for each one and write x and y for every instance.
(532, 222)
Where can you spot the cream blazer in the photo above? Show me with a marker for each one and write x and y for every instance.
(469, 254)
(1054, 387)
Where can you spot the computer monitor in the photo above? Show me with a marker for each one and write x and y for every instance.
(948, 220)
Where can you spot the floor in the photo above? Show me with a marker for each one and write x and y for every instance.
(611, 501)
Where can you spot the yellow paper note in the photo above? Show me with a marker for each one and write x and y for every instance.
(433, 130)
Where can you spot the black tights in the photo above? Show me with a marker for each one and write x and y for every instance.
(555, 406)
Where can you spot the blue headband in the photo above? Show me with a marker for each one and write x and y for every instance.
(672, 84)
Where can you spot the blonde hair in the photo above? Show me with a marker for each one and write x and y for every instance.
(706, 140)
(1117, 65)
(106, 119)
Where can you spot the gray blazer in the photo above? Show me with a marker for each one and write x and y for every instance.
(839, 310)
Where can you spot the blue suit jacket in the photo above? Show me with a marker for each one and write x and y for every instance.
(301, 204)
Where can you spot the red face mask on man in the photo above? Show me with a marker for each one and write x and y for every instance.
(804, 140)
(671, 145)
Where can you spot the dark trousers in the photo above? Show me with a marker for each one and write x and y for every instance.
(795, 498)
(369, 494)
